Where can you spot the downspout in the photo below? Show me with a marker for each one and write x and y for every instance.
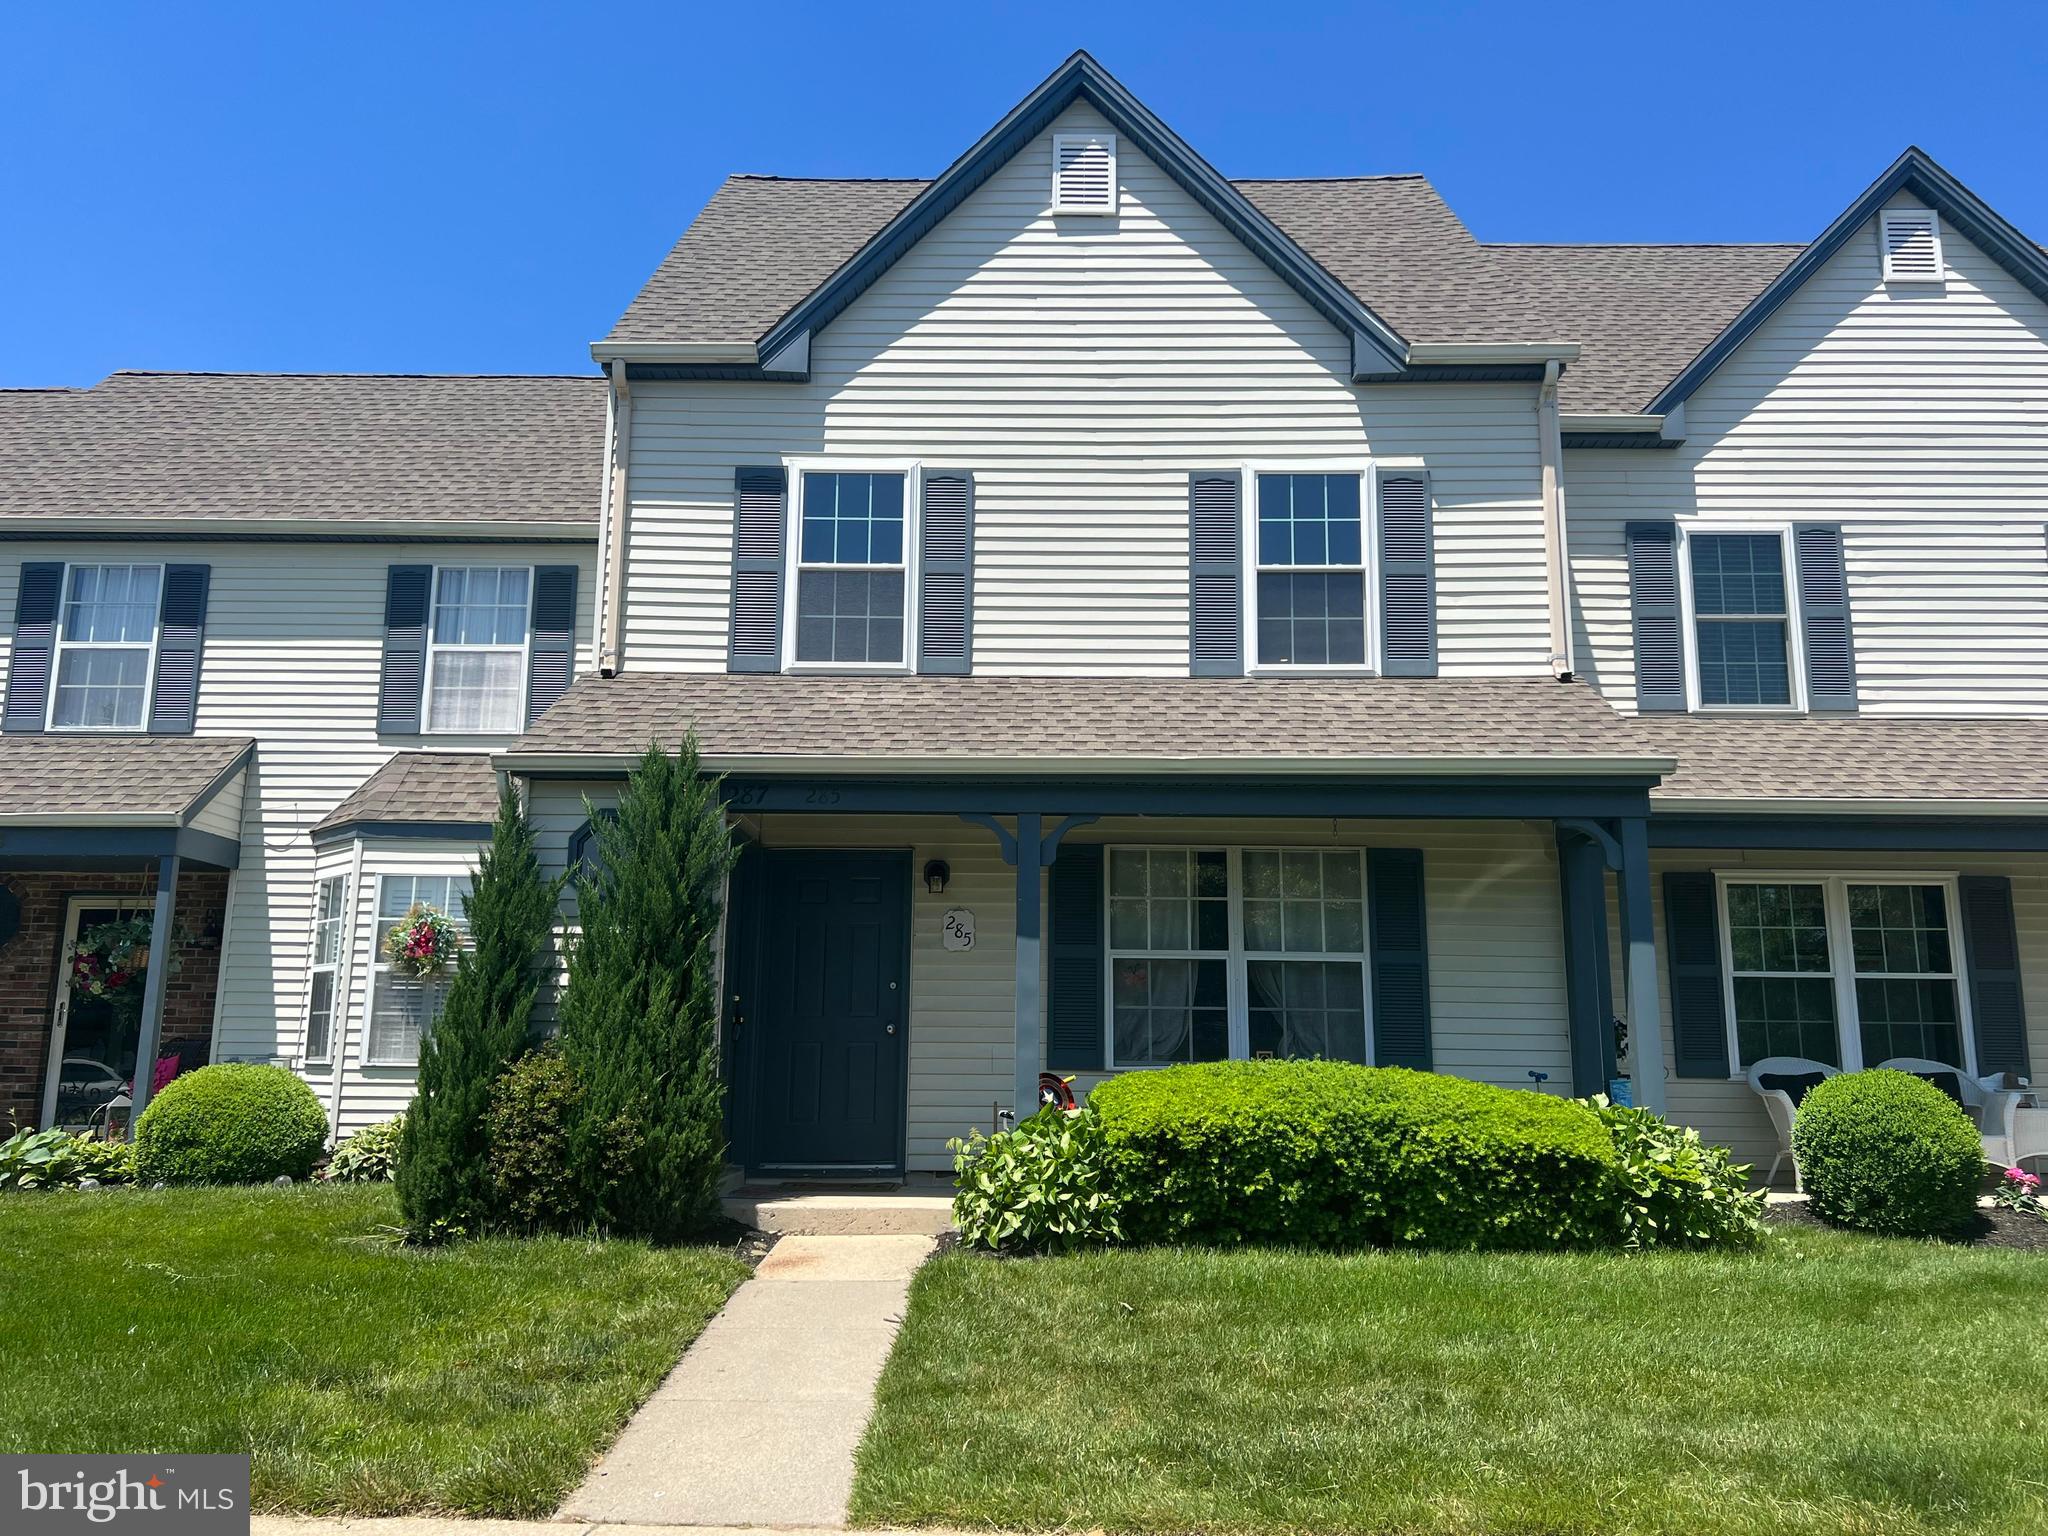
(612, 537)
(344, 991)
(1550, 446)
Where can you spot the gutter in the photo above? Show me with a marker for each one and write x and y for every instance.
(1942, 808)
(896, 765)
(1493, 352)
(323, 529)
(1550, 447)
(605, 353)
(611, 553)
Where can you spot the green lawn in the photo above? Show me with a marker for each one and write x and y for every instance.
(1829, 1384)
(363, 1377)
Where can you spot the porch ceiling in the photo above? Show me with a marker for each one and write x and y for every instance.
(1062, 727)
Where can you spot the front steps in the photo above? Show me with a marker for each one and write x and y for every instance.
(920, 1205)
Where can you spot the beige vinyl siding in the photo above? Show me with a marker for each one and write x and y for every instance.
(1915, 417)
(293, 651)
(222, 815)
(1080, 368)
(1724, 1110)
(1496, 965)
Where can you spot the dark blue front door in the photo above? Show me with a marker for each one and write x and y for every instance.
(829, 1041)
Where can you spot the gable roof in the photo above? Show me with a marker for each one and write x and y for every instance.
(1914, 171)
(264, 449)
(1377, 348)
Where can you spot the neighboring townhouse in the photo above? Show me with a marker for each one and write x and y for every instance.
(265, 633)
(1145, 617)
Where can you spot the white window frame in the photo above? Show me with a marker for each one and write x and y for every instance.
(380, 969)
(59, 645)
(912, 472)
(1369, 554)
(1795, 640)
(1885, 218)
(435, 647)
(1237, 957)
(337, 1010)
(1842, 973)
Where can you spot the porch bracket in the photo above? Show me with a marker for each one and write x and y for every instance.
(1049, 848)
(1645, 1021)
(1595, 833)
(1004, 837)
(153, 981)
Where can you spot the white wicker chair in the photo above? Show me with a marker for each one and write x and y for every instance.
(1992, 1108)
(1780, 1106)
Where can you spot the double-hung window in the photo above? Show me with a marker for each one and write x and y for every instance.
(1219, 953)
(106, 647)
(329, 903)
(1851, 970)
(1741, 620)
(852, 568)
(476, 662)
(403, 1008)
(1309, 593)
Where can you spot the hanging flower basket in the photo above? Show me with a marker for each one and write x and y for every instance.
(108, 960)
(422, 945)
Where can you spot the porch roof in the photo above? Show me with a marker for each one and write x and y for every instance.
(1854, 764)
(449, 794)
(1064, 726)
(106, 801)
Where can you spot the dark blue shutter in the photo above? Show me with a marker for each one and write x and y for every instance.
(945, 588)
(1653, 595)
(1076, 960)
(35, 636)
(1998, 1007)
(1824, 616)
(1699, 1022)
(551, 657)
(408, 591)
(181, 639)
(1400, 958)
(1215, 575)
(760, 518)
(1407, 578)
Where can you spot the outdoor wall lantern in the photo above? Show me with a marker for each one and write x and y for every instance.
(936, 874)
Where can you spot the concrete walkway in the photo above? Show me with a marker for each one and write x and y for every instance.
(439, 1525)
(758, 1424)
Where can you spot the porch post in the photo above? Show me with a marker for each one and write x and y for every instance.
(1645, 1018)
(153, 981)
(1030, 921)
(1588, 983)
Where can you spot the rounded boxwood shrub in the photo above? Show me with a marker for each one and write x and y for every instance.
(235, 1123)
(1330, 1154)
(1888, 1152)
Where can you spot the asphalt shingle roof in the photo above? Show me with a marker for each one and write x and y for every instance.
(433, 787)
(1859, 757)
(326, 446)
(1639, 312)
(153, 777)
(1053, 720)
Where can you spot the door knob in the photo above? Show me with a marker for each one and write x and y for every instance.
(891, 1028)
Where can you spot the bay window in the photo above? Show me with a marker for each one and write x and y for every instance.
(1850, 970)
(1219, 953)
(106, 647)
(403, 1008)
(329, 904)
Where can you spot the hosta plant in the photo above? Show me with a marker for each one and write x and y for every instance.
(1039, 1188)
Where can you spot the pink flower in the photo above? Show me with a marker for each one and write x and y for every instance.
(2024, 1179)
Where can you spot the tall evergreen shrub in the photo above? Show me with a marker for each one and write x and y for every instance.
(639, 1015)
(444, 1175)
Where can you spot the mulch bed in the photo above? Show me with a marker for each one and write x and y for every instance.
(1995, 1228)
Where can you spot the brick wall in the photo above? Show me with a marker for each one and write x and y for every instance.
(28, 969)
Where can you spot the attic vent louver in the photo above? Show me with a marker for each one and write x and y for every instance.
(1084, 173)
(1911, 241)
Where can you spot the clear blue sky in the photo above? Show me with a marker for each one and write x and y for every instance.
(426, 187)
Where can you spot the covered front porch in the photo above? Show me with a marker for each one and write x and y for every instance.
(115, 857)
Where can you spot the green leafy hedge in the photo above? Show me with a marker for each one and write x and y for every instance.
(234, 1123)
(1888, 1152)
(1329, 1154)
